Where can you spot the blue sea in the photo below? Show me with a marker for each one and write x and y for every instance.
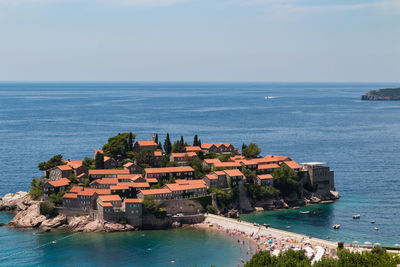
(306, 121)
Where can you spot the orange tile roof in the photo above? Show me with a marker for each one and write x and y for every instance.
(211, 176)
(128, 164)
(219, 173)
(293, 164)
(76, 189)
(140, 185)
(81, 175)
(185, 186)
(234, 172)
(70, 195)
(207, 146)
(157, 153)
(184, 154)
(184, 181)
(108, 171)
(155, 191)
(227, 164)
(146, 143)
(133, 200)
(265, 176)
(103, 192)
(106, 158)
(64, 167)
(60, 182)
(119, 187)
(169, 169)
(237, 157)
(268, 166)
(109, 198)
(86, 193)
(105, 181)
(211, 161)
(152, 180)
(129, 176)
(192, 149)
(105, 204)
(75, 164)
(272, 158)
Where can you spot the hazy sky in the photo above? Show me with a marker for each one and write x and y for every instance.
(200, 40)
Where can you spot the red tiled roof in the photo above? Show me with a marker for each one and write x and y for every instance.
(293, 164)
(98, 151)
(268, 166)
(192, 148)
(64, 167)
(184, 154)
(272, 158)
(169, 169)
(87, 192)
(211, 161)
(227, 164)
(140, 185)
(70, 195)
(60, 182)
(152, 180)
(133, 200)
(109, 198)
(81, 175)
(105, 181)
(155, 191)
(106, 158)
(207, 146)
(188, 185)
(75, 164)
(128, 176)
(76, 189)
(157, 153)
(108, 171)
(237, 157)
(211, 176)
(265, 176)
(128, 164)
(105, 204)
(103, 192)
(146, 143)
(234, 172)
(219, 173)
(119, 187)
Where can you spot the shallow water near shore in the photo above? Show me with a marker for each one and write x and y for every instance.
(176, 247)
(328, 122)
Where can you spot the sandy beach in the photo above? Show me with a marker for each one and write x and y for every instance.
(270, 239)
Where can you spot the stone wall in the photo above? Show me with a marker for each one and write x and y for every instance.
(185, 206)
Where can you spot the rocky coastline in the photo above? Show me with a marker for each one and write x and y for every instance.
(382, 94)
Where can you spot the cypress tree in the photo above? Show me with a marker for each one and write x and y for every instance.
(243, 146)
(195, 140)
(199, 143)
(130, 142)
(167, 145)
(156, 138)
(99, 161)
(182, 141)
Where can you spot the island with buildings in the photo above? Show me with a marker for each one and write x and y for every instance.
(131, 185)
(382, 94)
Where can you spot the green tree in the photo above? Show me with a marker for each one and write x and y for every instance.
(48, 209)
(211, 209)
(286, 180)
(195, 140)
(57, 198)
(145, 157)
(178, 147)
(130, 142)
(56, 160)
(118, 145)
(36, 188)
(167, 145)
(250, 175)
(99, 161)
(182, 142)
(74, 180)
(156, 139)
(159, 146)
(89, 162)
(251, 151)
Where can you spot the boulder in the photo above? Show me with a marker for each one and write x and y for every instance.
(117, 227)
(29, 218)
(259, 208)
(54, 222)
(94, 226)
(176, 225)
(15, 201)
(233, 214)
(77, 223)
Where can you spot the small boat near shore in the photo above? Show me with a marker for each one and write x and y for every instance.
(376, 229)
(356, 216)
(336, 226)
(373, 221)
(304, 212)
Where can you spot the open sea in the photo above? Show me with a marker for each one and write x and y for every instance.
(326, 122)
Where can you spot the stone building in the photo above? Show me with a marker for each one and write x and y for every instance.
(320, 175)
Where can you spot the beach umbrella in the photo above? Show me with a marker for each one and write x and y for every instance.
(355, 242)
(377, 244)
(397, 245)
(270, 241)
(367, 243)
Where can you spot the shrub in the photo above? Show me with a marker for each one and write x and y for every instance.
(47, 209)
(36, 189)
(211, 209)
(204, 201)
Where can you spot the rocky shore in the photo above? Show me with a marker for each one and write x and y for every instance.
(28, 217)
(382, 94)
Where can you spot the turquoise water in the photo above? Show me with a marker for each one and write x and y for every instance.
(186, 247)
(306, 121)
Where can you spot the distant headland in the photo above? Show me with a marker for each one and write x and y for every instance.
(382, 94)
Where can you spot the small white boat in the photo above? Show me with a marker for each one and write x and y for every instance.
(376, 229)
(373, 221)
(304, 212)
(356, 216)
(336, 226)
(288, 227)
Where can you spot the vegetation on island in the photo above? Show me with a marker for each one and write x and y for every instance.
(251, 151)
(382, 94)
(56, 160)
(376, 257)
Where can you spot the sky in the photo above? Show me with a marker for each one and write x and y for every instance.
(200, 40)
